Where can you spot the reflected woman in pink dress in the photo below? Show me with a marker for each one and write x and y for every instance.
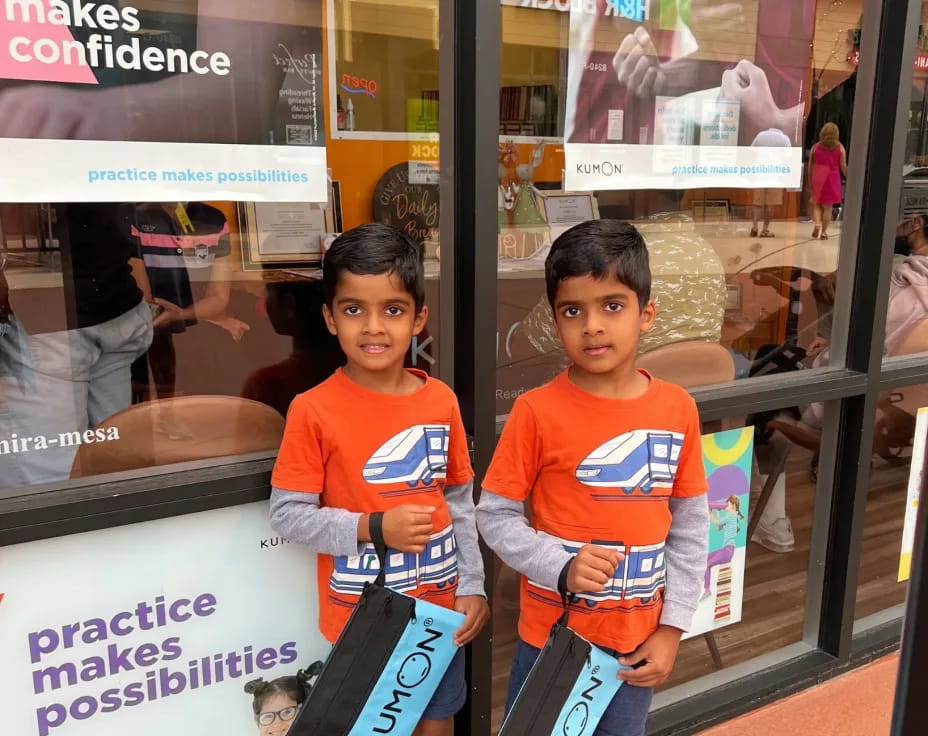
(827, 164)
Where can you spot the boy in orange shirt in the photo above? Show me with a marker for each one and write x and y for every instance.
(376, 438)
(609, 461)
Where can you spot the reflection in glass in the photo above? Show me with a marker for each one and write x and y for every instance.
(185, 329)
(68, 345)
(741, 265)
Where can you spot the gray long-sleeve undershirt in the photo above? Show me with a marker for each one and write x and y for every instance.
(541, 557)
(300, 518)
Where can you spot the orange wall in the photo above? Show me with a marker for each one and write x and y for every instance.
(358, 166)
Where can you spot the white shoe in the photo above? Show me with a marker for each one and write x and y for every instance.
(776, 536)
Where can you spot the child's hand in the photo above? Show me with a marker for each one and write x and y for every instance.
(407, 528)
(592, 568)
(658, 653)
(476, 610)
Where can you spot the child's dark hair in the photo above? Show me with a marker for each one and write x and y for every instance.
(373, 249)
(599, 248)
(261, 689)
(294, 687)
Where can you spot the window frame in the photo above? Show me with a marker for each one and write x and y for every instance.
(469, 53)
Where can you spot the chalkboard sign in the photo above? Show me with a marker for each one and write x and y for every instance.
(413, 208)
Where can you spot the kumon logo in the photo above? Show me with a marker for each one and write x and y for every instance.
(601, 168)
(578, 717)
(414, 670)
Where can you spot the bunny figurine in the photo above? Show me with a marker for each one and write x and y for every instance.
(525, 211)
(506, 197)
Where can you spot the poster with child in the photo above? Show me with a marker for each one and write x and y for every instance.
(727, 457)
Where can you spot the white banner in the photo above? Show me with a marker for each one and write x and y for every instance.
(681, 95)
(108, 171)
(598, 166)
(153, 628)
(106, 101)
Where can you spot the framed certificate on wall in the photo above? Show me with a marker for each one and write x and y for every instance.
(287, 234)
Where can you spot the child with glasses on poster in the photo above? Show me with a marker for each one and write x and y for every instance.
(276, 703)
(609, 461)
(377, 437)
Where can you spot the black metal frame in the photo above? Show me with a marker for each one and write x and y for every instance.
(470, 51)
(469, 58)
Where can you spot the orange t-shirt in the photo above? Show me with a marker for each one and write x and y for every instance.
(365, 452)
(600, 471)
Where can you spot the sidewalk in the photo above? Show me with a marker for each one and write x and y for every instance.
(859, 703)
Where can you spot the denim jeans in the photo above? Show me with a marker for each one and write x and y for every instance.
(53, 384)
(626, 715)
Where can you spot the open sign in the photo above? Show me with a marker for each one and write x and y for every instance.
(359, 85)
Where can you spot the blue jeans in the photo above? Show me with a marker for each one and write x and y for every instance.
(626, 715)
(451, 694)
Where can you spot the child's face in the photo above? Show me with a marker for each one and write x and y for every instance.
(374, 318)
(283, 708)
(599, 322)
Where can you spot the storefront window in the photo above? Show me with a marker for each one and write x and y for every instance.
(163, 304)
(697, 123)
(907, 312)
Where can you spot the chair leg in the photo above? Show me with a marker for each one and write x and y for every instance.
(713, 649)
(777, 466)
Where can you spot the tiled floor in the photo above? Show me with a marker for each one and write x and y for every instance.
(859, 703)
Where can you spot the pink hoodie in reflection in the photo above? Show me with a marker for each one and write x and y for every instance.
(908, 300)
(908, 305)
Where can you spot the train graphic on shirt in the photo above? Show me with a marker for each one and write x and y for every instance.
(643, 459)
(640, 576)
(436, 565)
(416, 455)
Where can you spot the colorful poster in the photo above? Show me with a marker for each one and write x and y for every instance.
(172, 101)
(156, 628)
(727, 456)
(686, 94)
(916, 473)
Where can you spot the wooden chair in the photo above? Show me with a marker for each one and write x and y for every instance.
(179, 430)
(690, 363)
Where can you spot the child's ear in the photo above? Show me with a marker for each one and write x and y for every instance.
(648, 315)
(329, 320)
(421, 319)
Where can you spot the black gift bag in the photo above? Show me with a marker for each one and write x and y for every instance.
(385, 666)
(568, 689)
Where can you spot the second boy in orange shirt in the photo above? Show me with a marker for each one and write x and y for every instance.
(609, 461)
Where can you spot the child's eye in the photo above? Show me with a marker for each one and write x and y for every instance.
(394, 311)
(613, 307)
(353, 311)
(571, 311)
